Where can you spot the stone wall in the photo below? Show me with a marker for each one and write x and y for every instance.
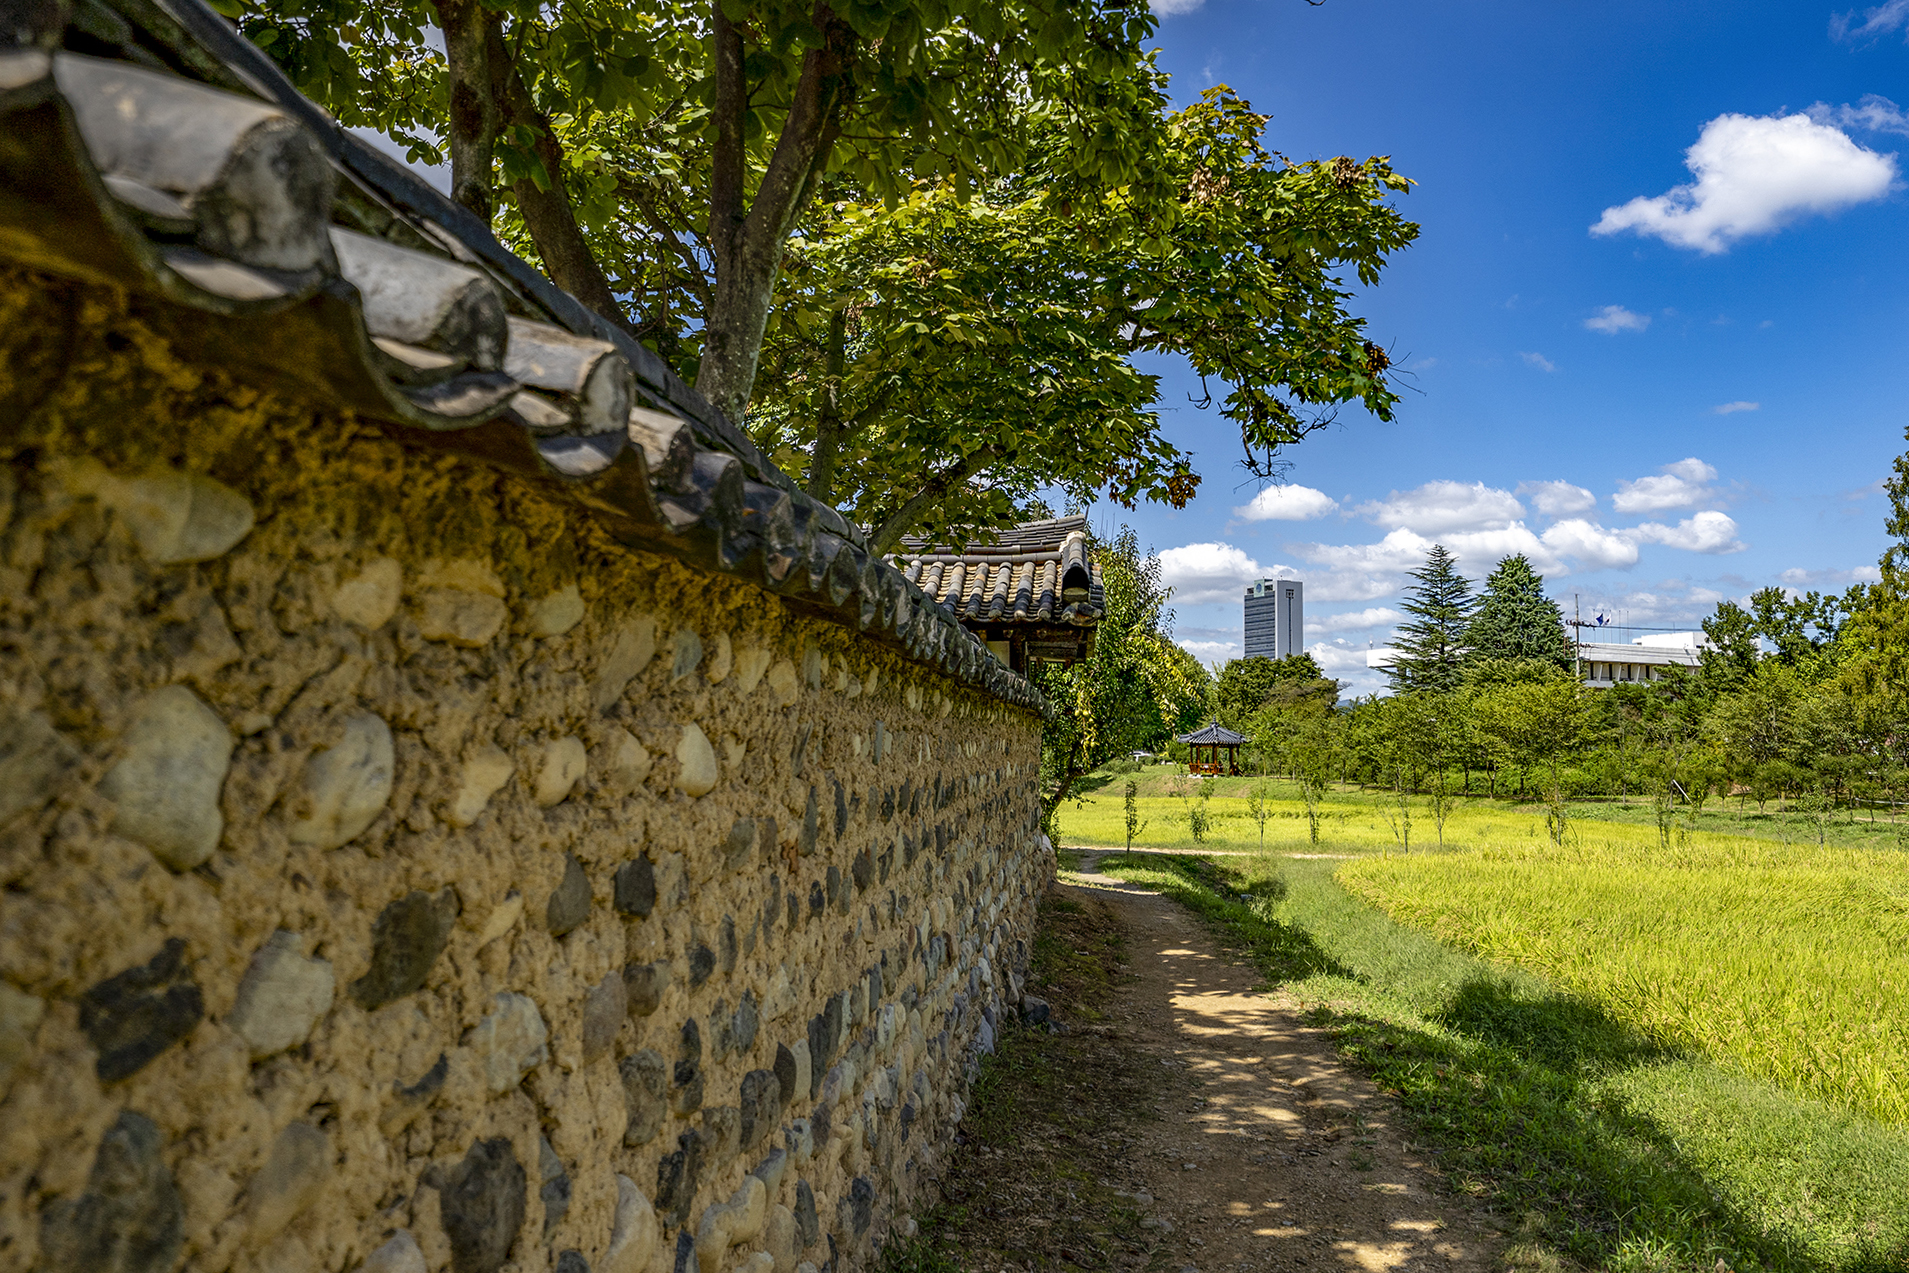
(397, 874)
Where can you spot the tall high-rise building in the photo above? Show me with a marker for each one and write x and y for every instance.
(1275, 619)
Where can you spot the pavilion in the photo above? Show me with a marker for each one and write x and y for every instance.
(1215, 750)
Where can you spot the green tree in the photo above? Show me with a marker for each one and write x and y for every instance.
(1802, 629)
(1431, 645)
(1312, 762)
(659, 161)
(1730, 651)
(1536, 724)
(1244, 686)
(935, 361)
(1259, 806)
(670, 150)
(1135, 682)
(1199, 816)
(1515, 620)
(1873, 643)
(1130, 807)
(1757, 724)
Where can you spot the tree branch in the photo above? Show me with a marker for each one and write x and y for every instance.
(549, 214)
(748, 249)
(694, 279)
(883, 538)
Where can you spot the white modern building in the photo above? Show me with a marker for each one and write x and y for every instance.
(1644, 658)
(1607, 663)
(1275, 619)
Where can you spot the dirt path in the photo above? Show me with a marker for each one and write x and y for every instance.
(1273, 1155)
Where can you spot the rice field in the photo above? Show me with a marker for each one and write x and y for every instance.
(1782, 960)
(1594, 1141)
(1785, 963)
(1368, 821)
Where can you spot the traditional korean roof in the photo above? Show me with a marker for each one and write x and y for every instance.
(148, 146)
(1037, 572)
(1215, 733)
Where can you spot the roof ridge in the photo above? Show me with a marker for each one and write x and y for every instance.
(341, 283)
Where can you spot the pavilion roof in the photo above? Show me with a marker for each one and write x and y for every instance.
(1215, 733)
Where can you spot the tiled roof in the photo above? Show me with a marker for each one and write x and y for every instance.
(1037, 572)
(1214, 733)
(288, 252)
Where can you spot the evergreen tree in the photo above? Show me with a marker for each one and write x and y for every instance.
(1515, 620)
(1432, 645)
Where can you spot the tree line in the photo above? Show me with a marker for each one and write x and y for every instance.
(1798, 698)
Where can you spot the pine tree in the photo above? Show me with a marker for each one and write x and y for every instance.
(1515, 620)
(1432, 645)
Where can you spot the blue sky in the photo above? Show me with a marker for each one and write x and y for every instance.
(1699, 399)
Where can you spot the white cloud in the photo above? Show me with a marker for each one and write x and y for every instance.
(1479, 550)
(1755, 174)
(1212, 651)
(1678, 485)
(1591, 544)
(1402, 550)
(1356, 620)
(1209, 572)
(1373, 571)
(1873, 114)
(1398, 552)
(1287, 504)
(1707, 532)
(1337, 657)
(1539, 361)
(1613, 319)
(1173, 8)
(1351, 585)
(1799, 578)
(1731, 408)
(1555, 499)
(1361, 572)
(1445, 506)
(1881, 20)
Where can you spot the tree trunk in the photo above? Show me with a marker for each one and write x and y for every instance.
(828, 422)
(476, 102)
(488, 92)
(747, 245)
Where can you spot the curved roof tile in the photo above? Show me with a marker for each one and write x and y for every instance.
(1037, 572)
(292, 252)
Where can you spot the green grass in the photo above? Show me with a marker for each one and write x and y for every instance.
(1785, 964)
(1611, 1144)
(1051, 1128)
(1356, 820)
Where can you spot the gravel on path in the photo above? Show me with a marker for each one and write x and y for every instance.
(1273, 1154)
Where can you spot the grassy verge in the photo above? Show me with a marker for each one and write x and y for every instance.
(1601, 1142)
(1367, 821)
(1031, 1181)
